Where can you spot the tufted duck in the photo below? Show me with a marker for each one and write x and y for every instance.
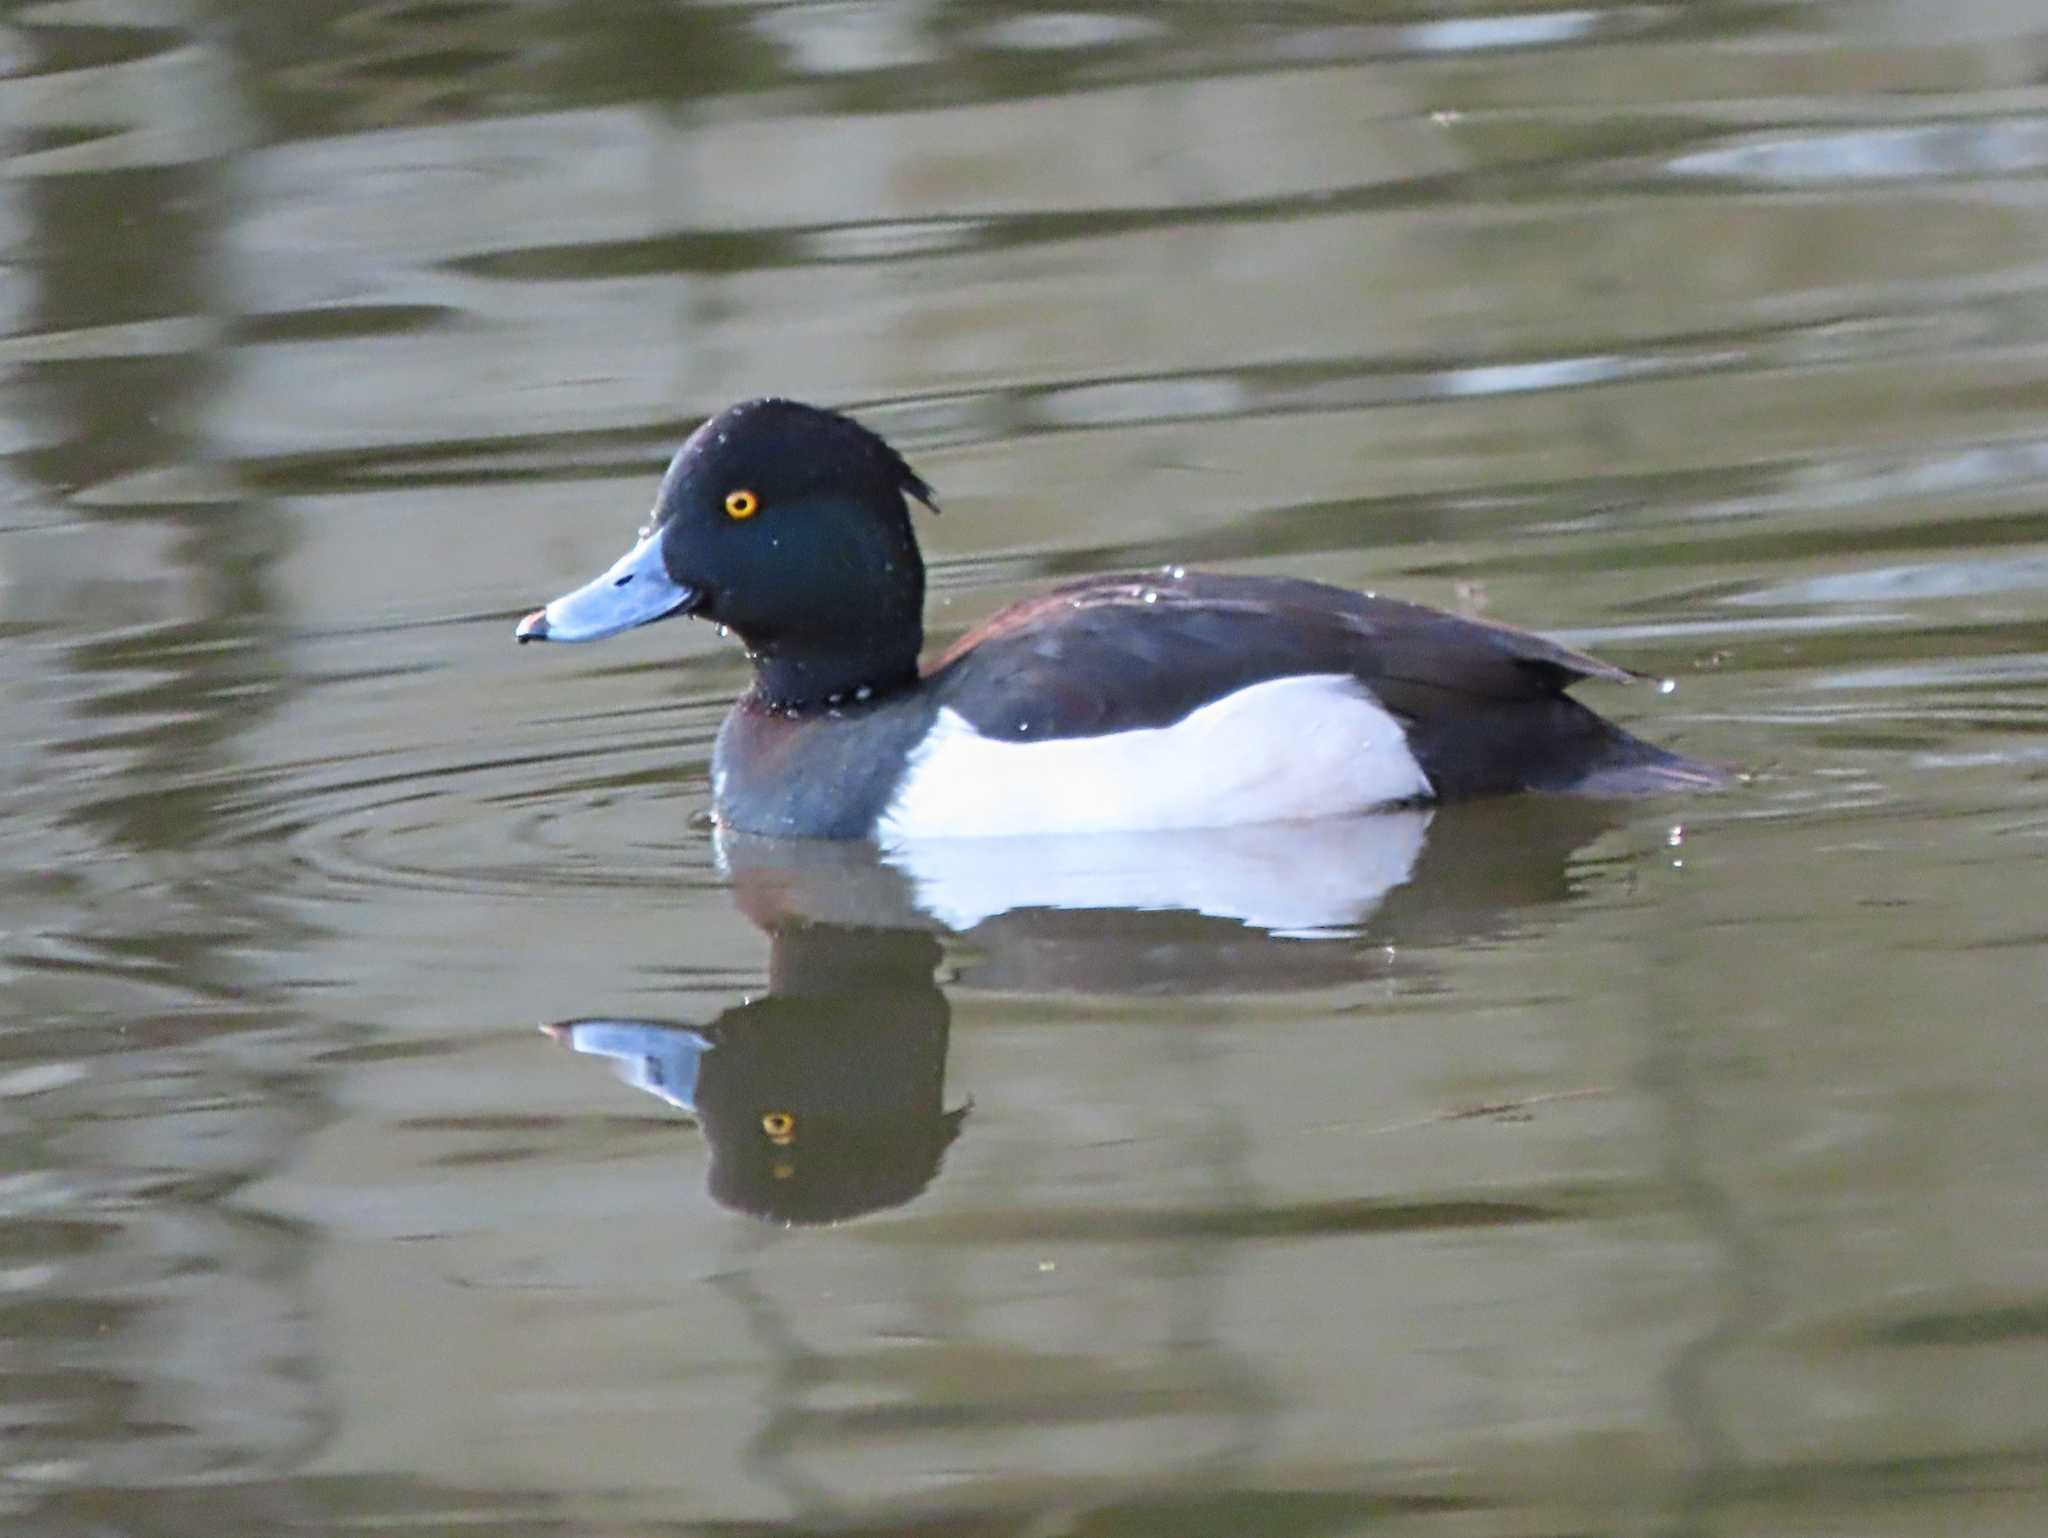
(1173, 700)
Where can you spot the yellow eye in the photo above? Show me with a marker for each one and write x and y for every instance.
(780, 1127)
(741, 504)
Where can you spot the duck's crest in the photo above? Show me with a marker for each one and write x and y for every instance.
(816, 425)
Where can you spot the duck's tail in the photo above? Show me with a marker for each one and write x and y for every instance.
(1633, 767)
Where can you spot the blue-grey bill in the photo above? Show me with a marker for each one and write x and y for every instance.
(661, 1059)
(636, 591)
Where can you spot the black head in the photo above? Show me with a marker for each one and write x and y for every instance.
(789, 525)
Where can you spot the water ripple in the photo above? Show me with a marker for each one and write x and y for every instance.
(530, 818)
(1998, 146)
(997, 412)
(507, 826)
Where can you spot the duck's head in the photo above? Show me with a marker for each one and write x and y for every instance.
(787, 524)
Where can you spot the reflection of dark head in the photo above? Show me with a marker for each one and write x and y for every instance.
(820, 1107)
(825, 1098)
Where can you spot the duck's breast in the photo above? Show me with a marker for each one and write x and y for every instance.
(823, 774)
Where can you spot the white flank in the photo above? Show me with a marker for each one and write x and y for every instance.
(1317, 745)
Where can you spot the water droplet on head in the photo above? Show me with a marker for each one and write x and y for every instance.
(1667, 685)
(1149, 595)
(724, 630)
(1176, 572)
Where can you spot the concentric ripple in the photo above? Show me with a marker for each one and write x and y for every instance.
(613, 811)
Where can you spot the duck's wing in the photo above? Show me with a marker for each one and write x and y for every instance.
(1482, 707)
(1120, 653)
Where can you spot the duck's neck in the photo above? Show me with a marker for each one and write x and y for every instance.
(794, 679)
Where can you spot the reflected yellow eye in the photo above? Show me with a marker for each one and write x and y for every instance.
(741, 504)
(780, 1127)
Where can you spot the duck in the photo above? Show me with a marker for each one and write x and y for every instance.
(1159, 700)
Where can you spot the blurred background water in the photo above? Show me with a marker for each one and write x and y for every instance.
(1671, 1168)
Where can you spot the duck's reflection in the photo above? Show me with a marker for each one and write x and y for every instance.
(1201, 911)
(824, 1098)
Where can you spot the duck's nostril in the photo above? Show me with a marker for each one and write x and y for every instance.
(628, 577)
